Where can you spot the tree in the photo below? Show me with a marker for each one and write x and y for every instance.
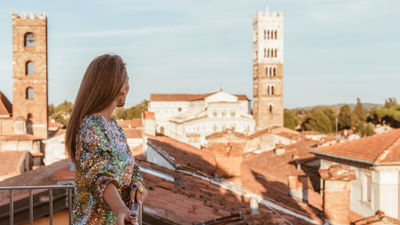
(359, 110)
(136, 111)
(290, 119)
(390, 102)
(317, 120)
(364, 129)
(345, 118)
(119, 113)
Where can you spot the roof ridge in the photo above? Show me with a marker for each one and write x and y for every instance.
(383, 155)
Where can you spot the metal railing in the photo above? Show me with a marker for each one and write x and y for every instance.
(51, 189)
(63, 194)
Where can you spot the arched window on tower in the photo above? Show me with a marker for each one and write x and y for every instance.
(270, 108)
(29, 93)
(274, 72)
(270, 71)
(269, 35)
(269, 53)
(265, 52)
(268, 90)
(272, 90)
(265, 34)
(276, 53)
(276, 34)
(29, 68)
(267, 72)
(29, 40)
(29, 124)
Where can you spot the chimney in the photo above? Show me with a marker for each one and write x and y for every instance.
(336, 197)
(253, 205)
(149, 123)
(298, 187)
(279, 149)
(228, 159)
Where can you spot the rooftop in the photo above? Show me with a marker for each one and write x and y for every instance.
(376, 149)
(188, 97)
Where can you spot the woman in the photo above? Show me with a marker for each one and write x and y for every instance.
(107, 177)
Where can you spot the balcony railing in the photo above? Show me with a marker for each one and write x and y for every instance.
(57, 197)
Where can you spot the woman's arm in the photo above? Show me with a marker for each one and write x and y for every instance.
(114, 201)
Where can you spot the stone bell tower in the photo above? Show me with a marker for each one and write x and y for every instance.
(268, 69)
(30, 72)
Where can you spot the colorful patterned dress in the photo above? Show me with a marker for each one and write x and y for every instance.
(102, 156)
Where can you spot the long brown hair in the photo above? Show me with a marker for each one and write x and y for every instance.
(100, 86)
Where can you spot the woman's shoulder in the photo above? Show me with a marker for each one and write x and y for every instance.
(92, 121)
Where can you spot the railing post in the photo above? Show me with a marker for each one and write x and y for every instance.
(30, 207)
(11, 207)
(70, 205)
(51, 206)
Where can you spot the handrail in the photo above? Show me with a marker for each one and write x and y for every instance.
(50, 188)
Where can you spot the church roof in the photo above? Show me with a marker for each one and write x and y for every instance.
(188, 97)
(5, 105)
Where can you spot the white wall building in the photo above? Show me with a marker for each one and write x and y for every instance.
(190, 117)
(376, 163)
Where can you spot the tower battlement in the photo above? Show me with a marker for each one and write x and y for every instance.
(31, 18)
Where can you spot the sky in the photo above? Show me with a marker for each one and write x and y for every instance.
(334, 50)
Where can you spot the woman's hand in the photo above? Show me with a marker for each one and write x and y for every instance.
(140, 192)
(124, 215)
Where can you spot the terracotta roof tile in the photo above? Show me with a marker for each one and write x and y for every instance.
(187, 97)
(378, 218)
(12, 161)
(133, 123)
(133, 133)
(5, 105)
(379, 148)
(20, 137)
(185, 154)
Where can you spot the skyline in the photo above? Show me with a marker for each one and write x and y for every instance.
(327, 44)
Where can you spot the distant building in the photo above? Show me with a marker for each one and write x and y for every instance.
(268, 69)
(24, 123)
(376, 163)
(191, 117)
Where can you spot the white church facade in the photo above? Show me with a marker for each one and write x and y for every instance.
(191, 117)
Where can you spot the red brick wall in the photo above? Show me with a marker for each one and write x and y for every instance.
(337, 201)
(38, 81)
(261, 99)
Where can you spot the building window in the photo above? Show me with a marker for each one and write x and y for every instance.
(179, 109)
(265, 34)
(276, 53)
(29, 40)
(272, 90)
(266, 72)
(268, 89)
(265, 53)
(233, 114)
(29, 68)
(215, 114)
(270, 108)
(367, 188)
(276, 34)
(274, 73)
(29, 93)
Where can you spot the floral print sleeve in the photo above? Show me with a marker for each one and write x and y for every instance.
(99, 167)
(103, 157)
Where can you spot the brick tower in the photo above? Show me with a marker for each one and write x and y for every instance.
(268, 69)
(30, 72)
